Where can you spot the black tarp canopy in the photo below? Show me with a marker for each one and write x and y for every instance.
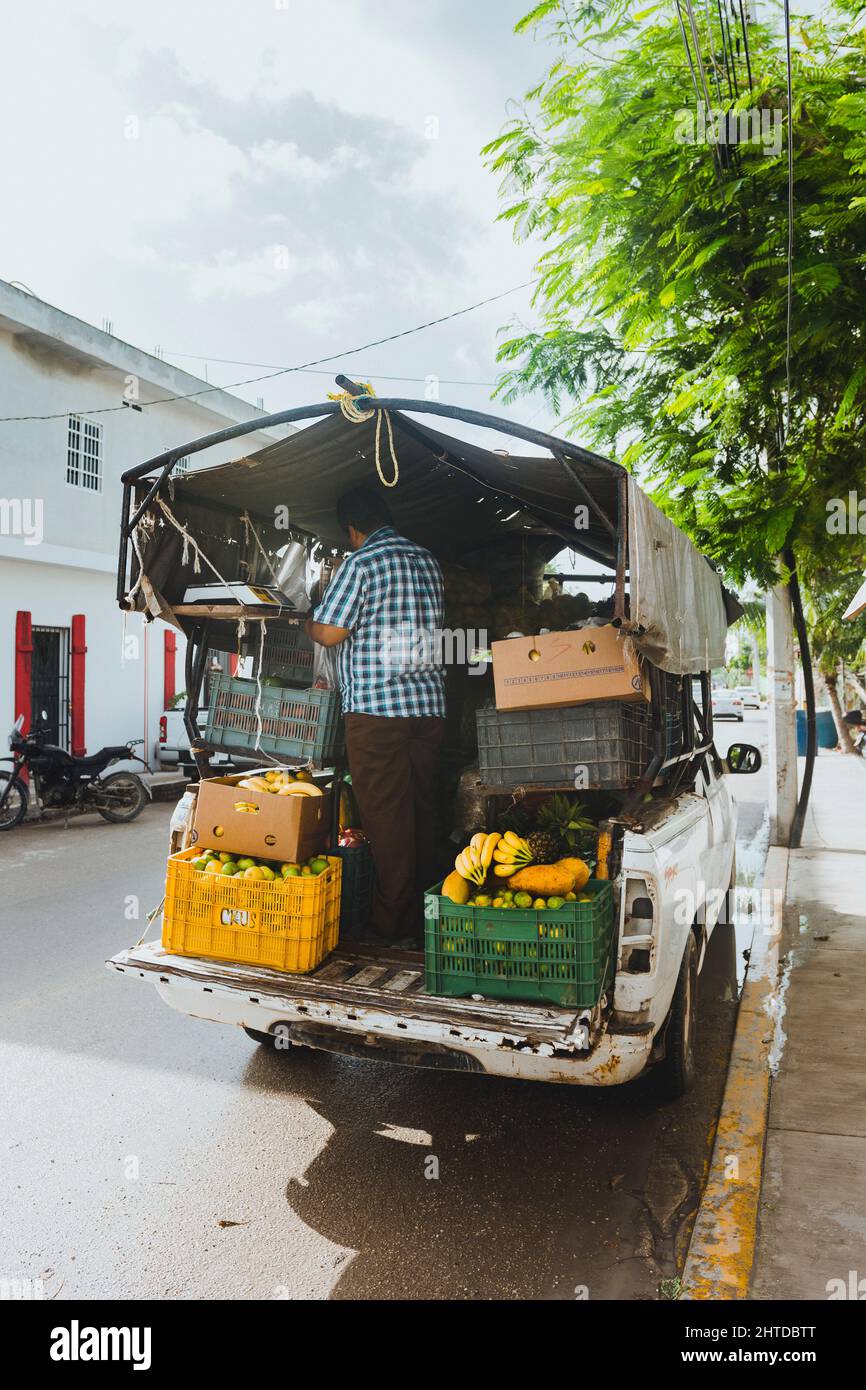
(452, 496)
(437, 501)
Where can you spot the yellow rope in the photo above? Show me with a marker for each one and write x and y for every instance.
(352, 411)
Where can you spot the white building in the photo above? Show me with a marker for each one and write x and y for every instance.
(64, 644)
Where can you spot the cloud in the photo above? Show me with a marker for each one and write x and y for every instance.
(157, 167)
(268, 271)
(332, 188)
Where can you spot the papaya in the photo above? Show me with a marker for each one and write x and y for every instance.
(456, 887)
(543, 880)
(578, 868)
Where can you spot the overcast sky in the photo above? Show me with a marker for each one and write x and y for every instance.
(269, 181)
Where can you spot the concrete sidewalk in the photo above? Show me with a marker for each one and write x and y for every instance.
(812, 1223)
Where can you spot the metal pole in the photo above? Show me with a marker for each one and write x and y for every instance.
(781, 734)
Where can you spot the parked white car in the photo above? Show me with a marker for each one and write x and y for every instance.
(172, 746)
(727, 704)
(750, 697)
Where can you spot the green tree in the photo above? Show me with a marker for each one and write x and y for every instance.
(663, 272)
(836, 642)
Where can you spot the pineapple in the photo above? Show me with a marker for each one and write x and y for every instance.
(546, 846)
(565, 818)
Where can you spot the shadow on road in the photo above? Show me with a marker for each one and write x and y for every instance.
(443, 1185)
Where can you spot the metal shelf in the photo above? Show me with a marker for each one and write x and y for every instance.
(263, 612)
(506, 788)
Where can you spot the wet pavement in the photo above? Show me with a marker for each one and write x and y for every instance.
(146, 1154)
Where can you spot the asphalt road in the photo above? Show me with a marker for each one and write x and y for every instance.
(148, 1155)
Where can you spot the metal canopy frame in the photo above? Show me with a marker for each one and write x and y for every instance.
(564, 451)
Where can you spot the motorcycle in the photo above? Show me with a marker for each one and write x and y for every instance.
(62, 782)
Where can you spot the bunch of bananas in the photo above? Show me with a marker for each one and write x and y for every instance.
(473, 862)
(512, 853)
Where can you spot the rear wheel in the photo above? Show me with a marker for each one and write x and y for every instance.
(277, 1041)
(120, 797)
(14, 808)
(676, 1072)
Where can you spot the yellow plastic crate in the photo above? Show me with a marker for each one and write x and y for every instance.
(288, 924)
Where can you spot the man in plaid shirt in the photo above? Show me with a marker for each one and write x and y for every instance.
(383, 609)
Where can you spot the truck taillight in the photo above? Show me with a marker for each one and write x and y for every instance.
(163, 728)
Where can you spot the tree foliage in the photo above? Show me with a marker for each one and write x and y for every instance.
(663, 284)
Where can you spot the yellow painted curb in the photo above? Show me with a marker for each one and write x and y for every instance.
(722, 1247)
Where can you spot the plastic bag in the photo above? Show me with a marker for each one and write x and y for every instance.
(292, 576)
(324, 667)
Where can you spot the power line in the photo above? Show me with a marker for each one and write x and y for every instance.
(282, 371)
(790, 306)
(745, 34)
(314, 371)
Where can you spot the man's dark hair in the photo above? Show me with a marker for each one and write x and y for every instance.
(364, 509)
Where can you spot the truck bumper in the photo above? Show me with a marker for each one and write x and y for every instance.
(397, 1036)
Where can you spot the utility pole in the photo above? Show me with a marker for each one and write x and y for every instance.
(782, 733)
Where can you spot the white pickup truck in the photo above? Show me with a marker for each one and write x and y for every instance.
(675, 865)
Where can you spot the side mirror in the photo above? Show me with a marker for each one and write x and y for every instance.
(743, 757)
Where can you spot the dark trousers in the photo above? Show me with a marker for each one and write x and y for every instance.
(394, 766)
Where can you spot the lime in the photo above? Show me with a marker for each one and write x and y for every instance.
(266, 872)
(214, 867)
(246, 863)
(319, 864)
(254, 872)
(230, 867)
(199, 864)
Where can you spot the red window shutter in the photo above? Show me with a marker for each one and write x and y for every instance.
(24, 668)
(233, 664)
(168, 677)
(79, 652)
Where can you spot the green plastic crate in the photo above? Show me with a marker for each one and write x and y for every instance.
(301, 724)
(288, 653)
(356, 901)
(562, 957)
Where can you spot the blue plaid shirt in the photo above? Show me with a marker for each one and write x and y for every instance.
(389, 594)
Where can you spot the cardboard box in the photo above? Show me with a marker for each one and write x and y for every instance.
(288, 828)
(566, 668)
